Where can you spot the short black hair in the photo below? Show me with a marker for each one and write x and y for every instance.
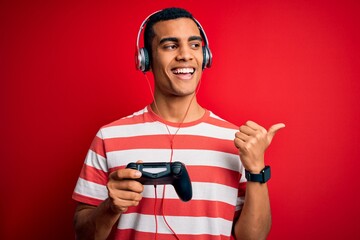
(163, 15)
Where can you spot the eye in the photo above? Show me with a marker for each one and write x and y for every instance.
(170, 46)
(195, 45)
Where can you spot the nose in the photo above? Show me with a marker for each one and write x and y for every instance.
(184, 53)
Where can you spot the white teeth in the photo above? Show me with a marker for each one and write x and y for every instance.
(183, 70)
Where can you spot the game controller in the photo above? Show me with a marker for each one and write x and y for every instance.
(161, 173)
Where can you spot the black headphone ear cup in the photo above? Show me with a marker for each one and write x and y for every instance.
(147, 60)
(143, 60)
(206, 57)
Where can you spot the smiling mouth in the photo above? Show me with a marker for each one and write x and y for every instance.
(178, 71)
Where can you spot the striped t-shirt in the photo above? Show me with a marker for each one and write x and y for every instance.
(207, 149)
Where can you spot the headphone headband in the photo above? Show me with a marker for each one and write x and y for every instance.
(142, 27)
(142, 58)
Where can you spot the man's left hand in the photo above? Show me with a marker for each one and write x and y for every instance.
(252, 140)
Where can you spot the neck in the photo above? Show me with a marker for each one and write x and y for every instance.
(178, 109)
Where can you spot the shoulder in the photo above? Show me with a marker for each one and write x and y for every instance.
(134, 118)
(130, 121)
(220, 122)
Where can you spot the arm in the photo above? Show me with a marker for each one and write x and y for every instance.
(91, 222)
(94, 222)
(255, 220)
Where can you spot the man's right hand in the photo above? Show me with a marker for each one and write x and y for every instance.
(124, 190)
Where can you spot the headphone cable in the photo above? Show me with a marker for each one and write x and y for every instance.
(171, 137)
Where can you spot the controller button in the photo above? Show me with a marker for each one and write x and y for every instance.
(176, 170)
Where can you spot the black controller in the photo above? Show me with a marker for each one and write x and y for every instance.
(161, 173)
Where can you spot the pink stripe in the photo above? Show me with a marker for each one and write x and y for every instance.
(97, 146)
(92, 174)
(132, 234)
(162, 142)
(193, 208)
(86, 199)
(209, 175)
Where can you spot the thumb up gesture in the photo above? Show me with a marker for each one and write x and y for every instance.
(252, 140)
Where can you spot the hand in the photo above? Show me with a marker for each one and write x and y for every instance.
(124, 190)
(252, 140)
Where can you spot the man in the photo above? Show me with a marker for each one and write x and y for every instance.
(113, 205)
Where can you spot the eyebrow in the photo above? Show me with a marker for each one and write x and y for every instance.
(192, 38)
(174, 39)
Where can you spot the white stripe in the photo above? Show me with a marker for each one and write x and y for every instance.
(180, 225)
(216, 116)
(95, 160)
(243, 178)
(99, 134)
(218, 192)
(138, 113)
(91, 189)
(239, 203)
(188, 157)
(157, 128)
(201, 191)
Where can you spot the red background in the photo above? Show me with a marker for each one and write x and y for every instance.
(66, 69)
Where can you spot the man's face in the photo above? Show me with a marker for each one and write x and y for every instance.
(176, 57)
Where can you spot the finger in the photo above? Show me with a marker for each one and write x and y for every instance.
(252, 128)
(273, 130)
(238, 143)
(121, 204)
(126, 195)
(125, 189)
(242, 136)
(126, 173)
(246, 130)
(127, 185)
(253, 125)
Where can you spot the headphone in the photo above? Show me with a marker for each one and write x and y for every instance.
(142, 58)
